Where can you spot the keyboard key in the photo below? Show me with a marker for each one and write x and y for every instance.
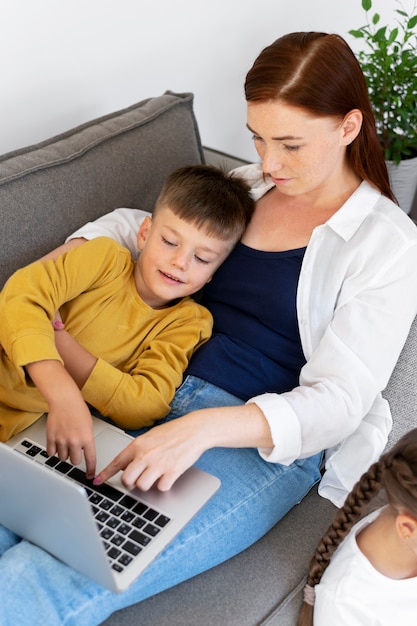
(113, 522)
(151, 530)
(162, 521)
(106, 533)
(117, 510)
(33, 451)
(140, 508)
(128, 502)
(127, 516)
(117, 540)
(123, 529)
(132, 548)
(102, 516)
(95, 498)
(138, 522)
(63, 467)
(52, 461)
(125, 559)
(117, 567)
(113, 553)
(150, 514)
(140, 538)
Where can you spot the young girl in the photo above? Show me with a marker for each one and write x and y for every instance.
(372, 576)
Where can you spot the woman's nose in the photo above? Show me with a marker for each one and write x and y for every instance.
(271, 162)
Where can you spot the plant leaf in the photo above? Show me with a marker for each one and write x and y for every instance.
(412, 22)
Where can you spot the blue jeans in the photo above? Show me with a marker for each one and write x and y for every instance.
(254, 496)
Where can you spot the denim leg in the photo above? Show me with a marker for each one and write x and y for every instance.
(253, 496)
(7, 539)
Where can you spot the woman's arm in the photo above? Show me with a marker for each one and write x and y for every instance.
(166, 451)
(122, 225)
(54, 254)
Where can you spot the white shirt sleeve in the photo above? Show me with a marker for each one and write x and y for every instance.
(356, 304)
(122, 225)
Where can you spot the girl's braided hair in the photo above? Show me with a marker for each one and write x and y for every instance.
(396, 473)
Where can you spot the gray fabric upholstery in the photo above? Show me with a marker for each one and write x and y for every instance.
(259, 586)
(46, 192)
(401, 391)
(50, 189)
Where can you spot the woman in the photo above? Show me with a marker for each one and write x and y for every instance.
(310, 318)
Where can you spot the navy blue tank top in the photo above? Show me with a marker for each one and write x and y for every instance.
(255, 347)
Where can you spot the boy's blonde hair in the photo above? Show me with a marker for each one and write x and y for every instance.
(210, 199)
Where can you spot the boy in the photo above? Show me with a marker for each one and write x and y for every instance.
(130, 328)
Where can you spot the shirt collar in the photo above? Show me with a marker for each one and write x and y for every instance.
(345, 222)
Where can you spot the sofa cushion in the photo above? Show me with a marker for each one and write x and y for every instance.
(50, 189)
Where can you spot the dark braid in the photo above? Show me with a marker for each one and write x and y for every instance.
(396, 472)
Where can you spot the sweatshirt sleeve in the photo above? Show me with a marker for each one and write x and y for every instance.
(33, 294)
(142, 394)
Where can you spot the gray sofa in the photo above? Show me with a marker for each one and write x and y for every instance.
(46, 192)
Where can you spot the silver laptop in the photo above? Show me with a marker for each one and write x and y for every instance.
(108, 533)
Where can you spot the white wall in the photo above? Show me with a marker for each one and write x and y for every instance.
(64, 62)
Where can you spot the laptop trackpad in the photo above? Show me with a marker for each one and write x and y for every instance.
(109, 443)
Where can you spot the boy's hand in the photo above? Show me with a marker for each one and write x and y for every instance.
(70, 433)
(69, 424)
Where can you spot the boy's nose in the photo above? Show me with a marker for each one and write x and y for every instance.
(180, 260)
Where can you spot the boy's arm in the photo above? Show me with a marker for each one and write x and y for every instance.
(141, 392)
(69, 424)
(78, 361)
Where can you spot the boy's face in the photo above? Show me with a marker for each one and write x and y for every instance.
(176, 258)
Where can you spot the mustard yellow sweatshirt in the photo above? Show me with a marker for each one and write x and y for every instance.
(142, 352)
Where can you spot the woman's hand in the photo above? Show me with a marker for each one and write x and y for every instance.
(165, 452)
(159, 456)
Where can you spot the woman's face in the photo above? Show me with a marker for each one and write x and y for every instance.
(300, 152)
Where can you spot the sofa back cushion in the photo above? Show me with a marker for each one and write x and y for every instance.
(50, 189)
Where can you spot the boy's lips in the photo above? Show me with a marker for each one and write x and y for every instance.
(171, 278)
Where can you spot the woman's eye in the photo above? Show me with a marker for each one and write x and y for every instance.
(256, 138)
(292, 148)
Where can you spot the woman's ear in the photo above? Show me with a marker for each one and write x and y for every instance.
(351, 125)
(143, 232)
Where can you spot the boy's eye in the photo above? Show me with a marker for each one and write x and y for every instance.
(168, 243)
(292, 148)
(256, 138)
(200, 260)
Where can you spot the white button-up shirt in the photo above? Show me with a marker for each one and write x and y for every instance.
(356, 300)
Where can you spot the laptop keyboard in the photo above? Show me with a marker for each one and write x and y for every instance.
(126, 524)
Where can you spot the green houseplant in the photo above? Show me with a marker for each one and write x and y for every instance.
(389, 62)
